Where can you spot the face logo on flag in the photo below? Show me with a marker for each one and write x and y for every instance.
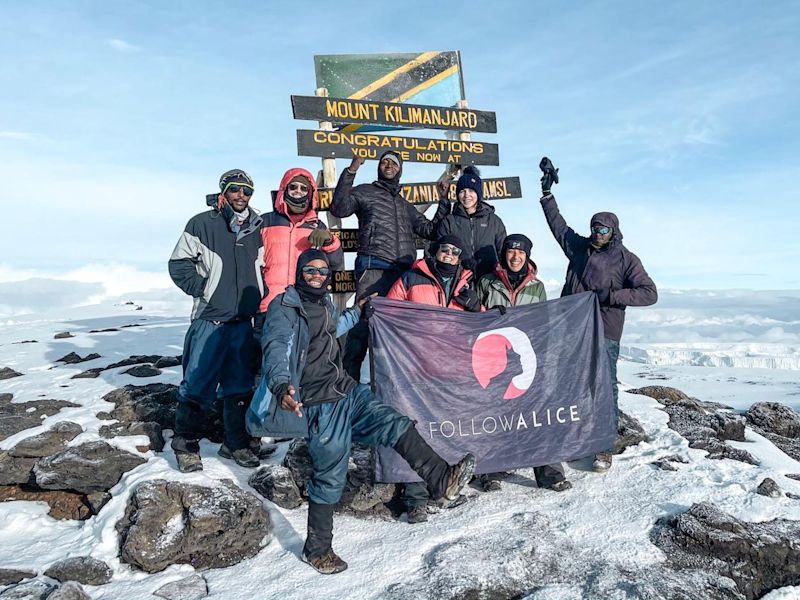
(504, 362)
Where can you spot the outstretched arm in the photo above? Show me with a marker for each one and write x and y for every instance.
(345, 203)
(566, 237)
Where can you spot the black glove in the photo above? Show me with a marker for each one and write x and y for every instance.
(258, 325)
(604, 296)
(501, 308)
(367, 311)
(469, 299)
(469, 263)
(550, 175)
(320, 237)
(281, 390)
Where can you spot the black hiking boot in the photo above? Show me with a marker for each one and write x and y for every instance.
(244, 457)
(187, 454)
(417, 514)
(262, 451)
(327, 564)
(460, 475)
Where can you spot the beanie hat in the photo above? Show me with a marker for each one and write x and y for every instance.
(306, 291)
(235, 176)
(471, 179)
(453, 240)
(517, 241)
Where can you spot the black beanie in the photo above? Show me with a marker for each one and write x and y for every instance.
(517, 241)
(234, 176)
(306, 291)
(471, 179)
(397, 159)
(453, 240)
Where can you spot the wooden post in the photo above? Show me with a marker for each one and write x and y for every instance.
(327, 178)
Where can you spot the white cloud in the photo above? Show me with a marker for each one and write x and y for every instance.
(122, 45)
(25, 136)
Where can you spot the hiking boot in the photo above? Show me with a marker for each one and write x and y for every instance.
(490, 484)
(602, 462)
(262, 451)
(243, 457)
(187, 454)
(460, 474)
(417, 514)
(444, 503)
(560, 486)
(327, 564)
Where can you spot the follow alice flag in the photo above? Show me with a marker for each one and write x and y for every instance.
(528, 388)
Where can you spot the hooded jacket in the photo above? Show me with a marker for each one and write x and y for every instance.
(420, 285)
(495, 289)
(483, 233)
(613, 266)
(285, 237)
(220, 269)
(387, 225)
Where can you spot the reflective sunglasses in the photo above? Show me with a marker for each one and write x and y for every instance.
(601, 230)
(294, 187)
(235, 187)
(448, 249)
(324, 271)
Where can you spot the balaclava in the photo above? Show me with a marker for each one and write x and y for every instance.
(446, 269)
(298, 202)
(307, 292)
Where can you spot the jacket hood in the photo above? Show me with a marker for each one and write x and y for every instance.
(482, 210)
(280, 203)
(608, 219)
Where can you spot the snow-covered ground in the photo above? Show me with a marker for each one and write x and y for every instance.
(604, 520)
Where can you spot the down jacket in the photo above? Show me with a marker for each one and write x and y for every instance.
(613, 266)
(482, 232)
(220, 269)
(495, 289)
(387, 225)
(420, 285)
(285, 237)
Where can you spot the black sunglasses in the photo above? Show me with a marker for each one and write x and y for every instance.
(234, 187)
(324, 271)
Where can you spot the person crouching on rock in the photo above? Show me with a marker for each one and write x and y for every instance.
(303, 367)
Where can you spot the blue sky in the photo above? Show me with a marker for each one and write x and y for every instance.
(681, 117)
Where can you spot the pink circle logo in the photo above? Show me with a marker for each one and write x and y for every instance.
(492, 354)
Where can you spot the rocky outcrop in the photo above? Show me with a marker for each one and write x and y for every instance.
(147, 370)
(64, 505)
(15, 470)
(629, 433)
(12, 576)
(166, 362)
(146, 360)
(29, 590)
(8, 373)
(19, 416)
(71, 590)
(62, 335)
(83, 569)
(91, 467)
(193, 587)
(142, 410)
(706, 425)
(779, 424)
(757, 557)
(769, 488)
(73, 358)
(275, 483)
(48, 442)
(207, 527)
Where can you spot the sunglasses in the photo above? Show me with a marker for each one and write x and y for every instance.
(235, 187)
(601, 230)
(448, 249)
(297, 187)
(324, 271)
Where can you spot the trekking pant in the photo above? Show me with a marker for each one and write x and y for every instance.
(355, 349)
(217, 364)
(612, 349)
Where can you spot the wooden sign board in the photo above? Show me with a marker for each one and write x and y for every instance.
(415, 116)
(340, 144)
(349, 240)
(343, 282)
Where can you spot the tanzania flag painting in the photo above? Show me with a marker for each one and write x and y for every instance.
(431, 78)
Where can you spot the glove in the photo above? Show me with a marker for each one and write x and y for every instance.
(367, 311)
(469, 263)
(469, 299)
(502, 309)
(320, 237)
(258, 325)
(603, 296)
(550, 175)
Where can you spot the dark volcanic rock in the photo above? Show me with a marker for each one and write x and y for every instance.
(74, 358)
(207, 527)
(83, 569)
(48, 442)
(64, 505)
(9, 576)
(89, 374)
(15, 470)
(19, 416)
(142, 371)
(97, 500)
(795, 476)
(8, 373)
(91, 467)
(71, 590)
(149, 428)
(136, 359)
(779, 424)
(63, 335)
(661, 393)
(29, 590)
(193, 587)
(758, 557)
(629, 433)
(769, 488)
(106, 330)
(275, 483)
(168, 361)
(142, 410)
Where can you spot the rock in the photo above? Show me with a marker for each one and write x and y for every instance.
(149, 428)
(153, 402)
(19, 416)
(168, 361)
(142, 371)
(15, 470)
(193, 587)
(97, 500)
(8, 373)
(11, 576)
(275, 483)
(48, 442)
(64, 505)
(169, 523)
(298, 461)
(718, 450)
(83, 569)
(676, 458)
(664, 465)
(757, 557)
(90, 374)
(74, 358)
(793, 496)
(91, 467)
(769, 488)
(661, 393)
(795, 476)
(779, 424)
(106, 330)
(29, 590)
(136, 359)
(71, 590)
(629, 433)
(63, 335)
(26, 342)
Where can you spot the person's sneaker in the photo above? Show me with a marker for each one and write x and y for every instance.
(417, 514)
(262, 451)
(327, 564)
(187, 454)
(560, 486)
(602, 462)
(243, 457)
(460, 474)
